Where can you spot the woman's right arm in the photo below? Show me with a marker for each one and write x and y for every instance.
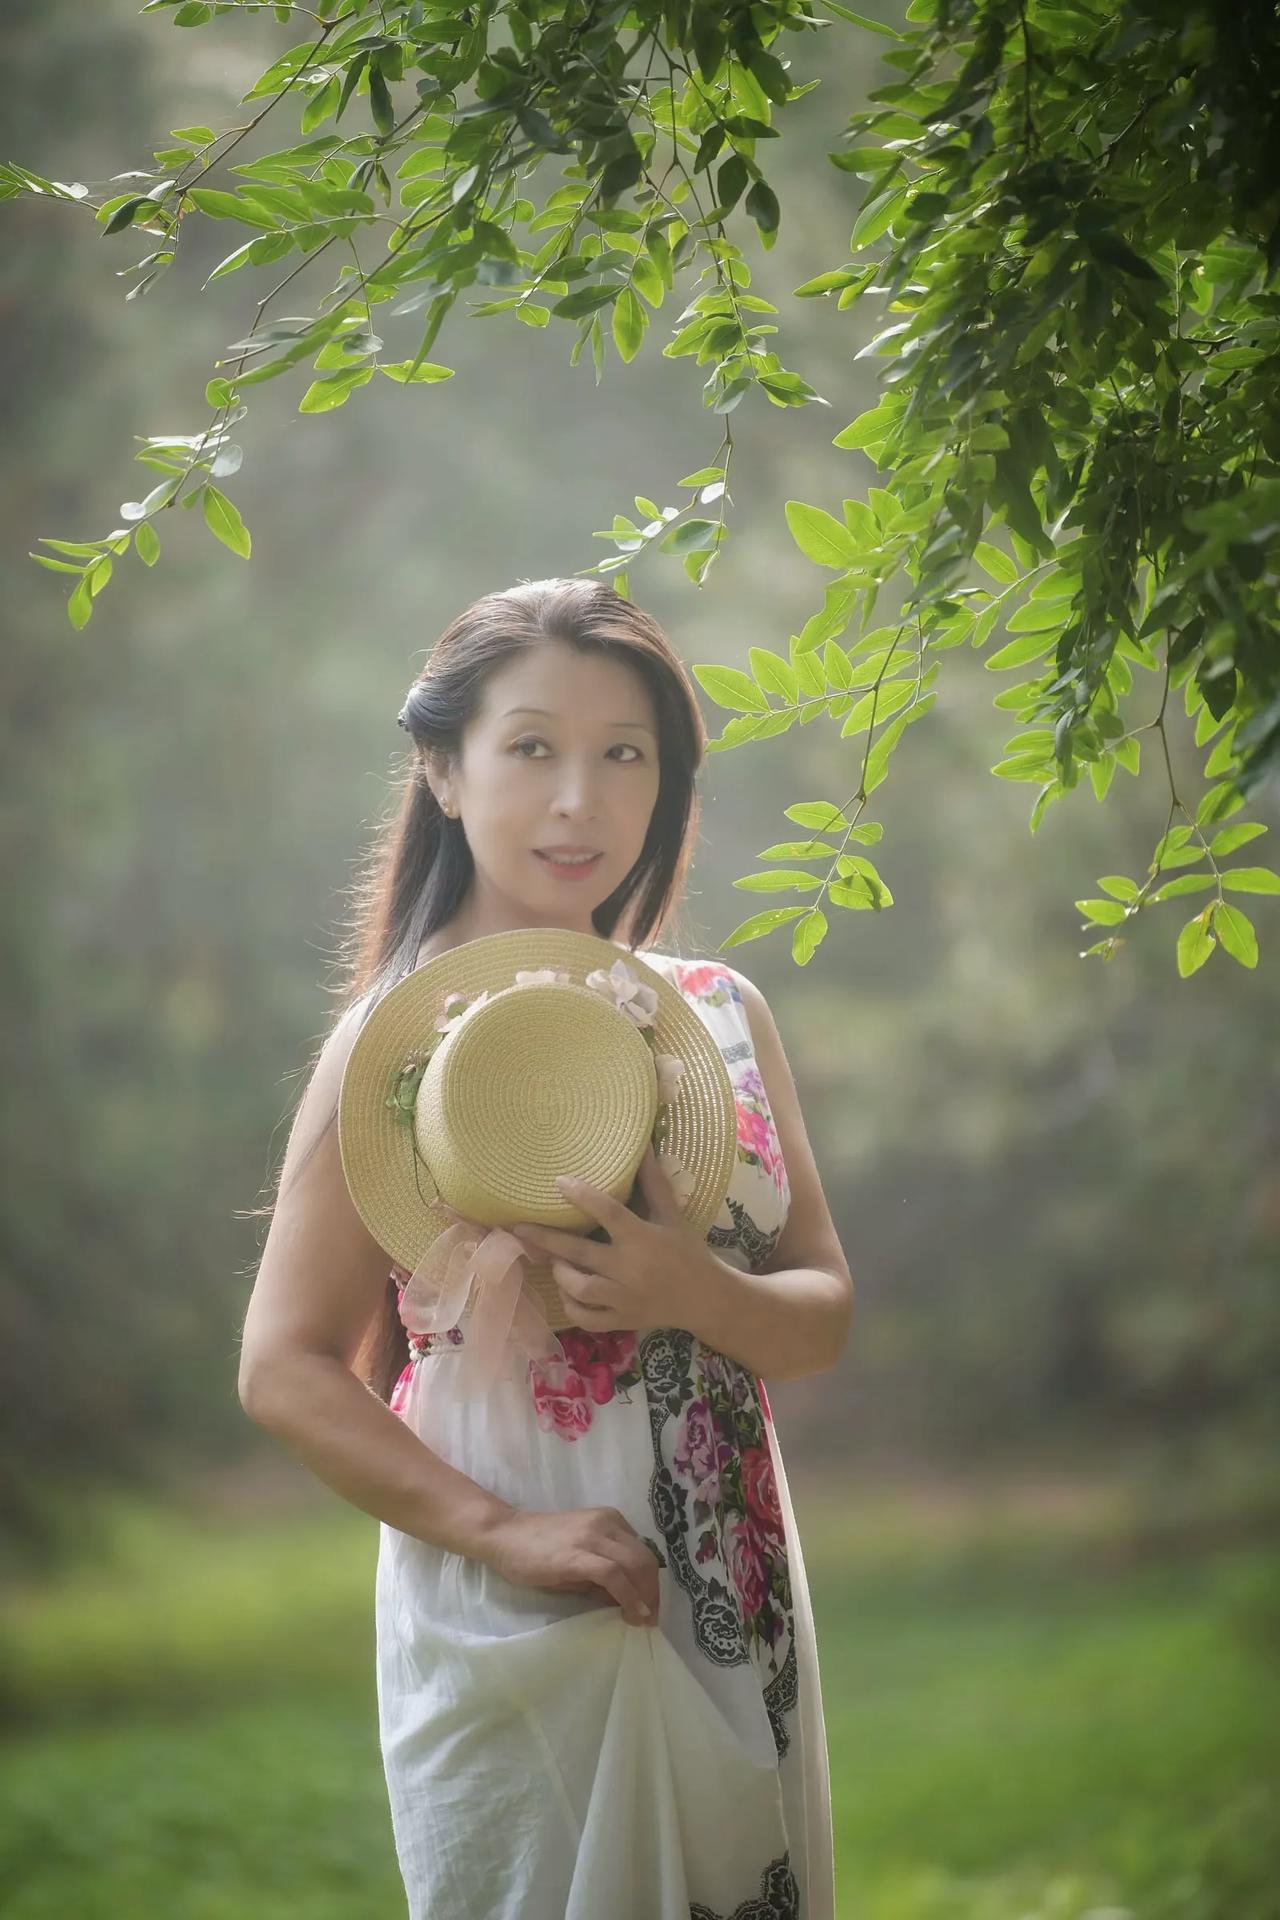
(321, 1280)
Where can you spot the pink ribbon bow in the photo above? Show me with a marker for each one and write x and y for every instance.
(486, 1267)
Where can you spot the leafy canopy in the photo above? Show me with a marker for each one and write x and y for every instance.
(1071, 216)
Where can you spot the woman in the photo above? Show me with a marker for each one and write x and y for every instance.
(598, 1691)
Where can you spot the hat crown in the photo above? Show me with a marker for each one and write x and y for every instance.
(537, 1080)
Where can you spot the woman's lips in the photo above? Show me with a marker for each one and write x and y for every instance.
(565, 871)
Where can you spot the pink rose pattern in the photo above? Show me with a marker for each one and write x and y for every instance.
(713, 1487)
(597, 1368)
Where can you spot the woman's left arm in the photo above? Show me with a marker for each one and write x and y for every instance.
(793, 1319)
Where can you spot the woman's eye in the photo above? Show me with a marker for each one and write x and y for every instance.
(625, 744)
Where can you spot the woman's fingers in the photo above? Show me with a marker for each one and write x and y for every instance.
(629, 1573)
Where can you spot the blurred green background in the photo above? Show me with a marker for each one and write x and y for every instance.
(1039, 1494)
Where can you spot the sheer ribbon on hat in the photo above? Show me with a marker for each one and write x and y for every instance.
(483, 1266)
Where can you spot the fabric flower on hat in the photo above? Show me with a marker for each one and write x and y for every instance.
(455, 1018)
(543, 977)
(638, 1002)
(670, 1069)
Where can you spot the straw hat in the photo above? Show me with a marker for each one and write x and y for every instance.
(492, 1068)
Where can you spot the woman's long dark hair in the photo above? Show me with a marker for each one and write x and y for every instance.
(419, 868)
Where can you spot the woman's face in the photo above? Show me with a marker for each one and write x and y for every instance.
(580, 773)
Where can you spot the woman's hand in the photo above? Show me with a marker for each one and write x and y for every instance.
(579, 1550)
(646, 1272)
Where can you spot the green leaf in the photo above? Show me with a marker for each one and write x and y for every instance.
(159, 496)
(1232, 837)
(773, 673)
(996, 562)
(820, 535)
(1031, 646)
(879, 705)
(1024, 766)
(258, 252)
(227, 206)
(322, 396)
(1251, 880)
(79, 549)
(837, 610)
(1038, 616)
(807, 936)
(140, 207)
(817, 813)
(831, 282)
(750, 726)
(1112, 251)
(876, 216)
(787, 389)
(381, 104)
(583, 301)
(629, 323)
(778, 880)
(405, 372)
(861, 20)
(1175, 838)
(1177, 857)
(1236, 932)
(762, 204)
(836, 667)
(1195, 944)
(223, 519)
(877, 763)
(688, 534)
(874, 425)
(1217, 802)
(798, 850)
(731, 180)
(80, 604)
(730, 687)
(1128, 752)
(761, 923)
(1105, 912)
(147, 542)
(646, 278)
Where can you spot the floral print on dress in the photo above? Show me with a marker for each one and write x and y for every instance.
(714, 1496)
(779, 1897)
(757, 1136)
(720, 1453)
(707, 982)
(758, 1143)
(597, 1367)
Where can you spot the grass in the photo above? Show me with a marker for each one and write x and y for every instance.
(1031, 1715)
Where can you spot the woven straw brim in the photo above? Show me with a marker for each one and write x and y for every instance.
(389, 1184)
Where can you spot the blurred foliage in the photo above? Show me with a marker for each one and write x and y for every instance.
(1061, 1209)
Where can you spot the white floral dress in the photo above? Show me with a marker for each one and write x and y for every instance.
(544, 1759)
